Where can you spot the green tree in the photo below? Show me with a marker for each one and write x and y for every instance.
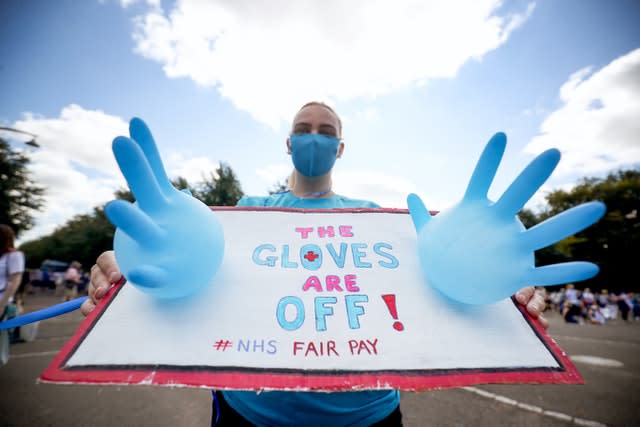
(221, 188)
(613, 243)
(124, 194)
(181, 183)
(82, 239)
(20, 196)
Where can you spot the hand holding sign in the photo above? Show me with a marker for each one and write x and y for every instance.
(168, 243)
(478, 252)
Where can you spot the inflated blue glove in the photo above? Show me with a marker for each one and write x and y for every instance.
(167, 244)
(478, 252)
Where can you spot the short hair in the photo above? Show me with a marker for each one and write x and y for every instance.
(322, 104)
(7, 237)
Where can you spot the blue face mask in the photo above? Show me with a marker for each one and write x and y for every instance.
(313, 154)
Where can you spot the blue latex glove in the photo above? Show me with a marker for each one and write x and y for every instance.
(478, 251)
(168, 244)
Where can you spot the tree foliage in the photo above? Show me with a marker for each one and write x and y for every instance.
(221, 188)
(82, 239)
(613, 243)
(20, 196)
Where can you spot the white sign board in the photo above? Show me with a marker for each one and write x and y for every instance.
(311, 300)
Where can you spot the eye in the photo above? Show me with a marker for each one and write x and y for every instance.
(328, 131)
(301, 128)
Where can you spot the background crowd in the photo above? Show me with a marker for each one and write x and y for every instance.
(585, 306)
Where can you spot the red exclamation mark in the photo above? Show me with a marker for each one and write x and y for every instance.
(390, 300)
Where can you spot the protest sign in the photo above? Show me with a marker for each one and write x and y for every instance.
(311, 300)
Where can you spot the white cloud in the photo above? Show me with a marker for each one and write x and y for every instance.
(597, 129)
(272, 174)
(126, 3)
(82, 135)
(387, 191)
(74, 163)
(369, 114)
(270, 57)
(192, 168)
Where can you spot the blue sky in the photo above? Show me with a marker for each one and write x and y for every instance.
(420, 86)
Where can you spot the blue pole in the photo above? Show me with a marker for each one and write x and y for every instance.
(45, 313)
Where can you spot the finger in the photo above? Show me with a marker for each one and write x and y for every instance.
(98, 281)
(87, 307)
(562, 273)
(535, 306)
(419, 213)
(563, 225)
(140, 132)
(135, 223)
(100, 292)
(138, 173)
(108, 265)
(524, 295)
(486, 168)
(527, 183)
(148, 276)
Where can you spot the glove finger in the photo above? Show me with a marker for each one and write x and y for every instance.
(134, 223)
(140, 132)
(486, 168)
(527, 183)
(419, 213)
(563, 225)
(149, 276)
(565, 272)
(138, 173)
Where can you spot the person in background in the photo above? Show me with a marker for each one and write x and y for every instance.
(588, 299)
(603, 298)
(556, 301)
(595, 316)
(571, 311)
(315, 143)
(603, 302)
(72, 280)
(635, 302)
(11, 270)
(612, 305)
(571, 295)
(624, 305)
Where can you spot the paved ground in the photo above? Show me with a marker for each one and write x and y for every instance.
(611, 395)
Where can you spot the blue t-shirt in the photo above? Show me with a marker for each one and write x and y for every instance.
(289, 200)
(289, 408)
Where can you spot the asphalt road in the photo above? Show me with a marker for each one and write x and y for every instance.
(611, 395)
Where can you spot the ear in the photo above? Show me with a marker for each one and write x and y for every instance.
(288, 143)
(340, 150)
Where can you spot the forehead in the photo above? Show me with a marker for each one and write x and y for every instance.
(316, 114)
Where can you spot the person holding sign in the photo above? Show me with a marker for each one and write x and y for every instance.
(314, 145)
